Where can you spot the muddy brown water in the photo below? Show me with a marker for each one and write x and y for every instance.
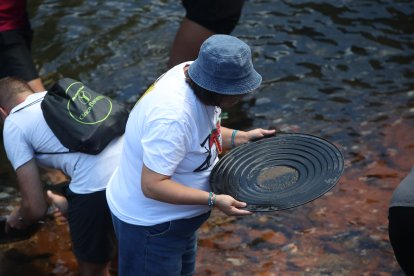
(341, 70)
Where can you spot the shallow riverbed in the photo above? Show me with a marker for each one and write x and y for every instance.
(341, 70)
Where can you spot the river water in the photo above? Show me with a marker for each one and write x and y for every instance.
(342, 70)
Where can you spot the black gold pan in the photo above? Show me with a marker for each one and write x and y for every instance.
(278, 172)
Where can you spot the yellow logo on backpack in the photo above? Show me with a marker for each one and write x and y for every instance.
(85, 104)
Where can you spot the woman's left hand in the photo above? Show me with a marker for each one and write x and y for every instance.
(259, 133)
(233, 137)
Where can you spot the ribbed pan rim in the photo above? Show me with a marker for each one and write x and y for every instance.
(310, 166)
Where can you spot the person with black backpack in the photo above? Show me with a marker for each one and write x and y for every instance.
(30, 142)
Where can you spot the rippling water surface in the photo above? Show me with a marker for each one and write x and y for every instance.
(342, 70)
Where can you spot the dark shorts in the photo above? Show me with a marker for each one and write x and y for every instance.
(15, 57)
(401, 233)
(218, 16)
(91, 229)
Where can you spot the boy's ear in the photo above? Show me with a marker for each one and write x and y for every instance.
(3, 113)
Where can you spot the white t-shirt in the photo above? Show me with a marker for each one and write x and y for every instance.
(26, 132)
(171, 132)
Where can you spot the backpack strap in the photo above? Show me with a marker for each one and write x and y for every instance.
(37, 152)
(59, 152)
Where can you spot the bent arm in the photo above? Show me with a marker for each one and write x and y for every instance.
(162, 188)
(33, 206)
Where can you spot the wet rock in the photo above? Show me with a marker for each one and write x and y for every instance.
(290, 248)
(4, 195)
(235, 262)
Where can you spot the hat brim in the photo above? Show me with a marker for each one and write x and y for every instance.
(225, 86)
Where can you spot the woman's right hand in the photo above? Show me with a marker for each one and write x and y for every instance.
(230, 206)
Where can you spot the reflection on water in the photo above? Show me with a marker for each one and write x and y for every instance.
(342, 70)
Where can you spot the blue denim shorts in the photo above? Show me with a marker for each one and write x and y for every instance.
(163, 249)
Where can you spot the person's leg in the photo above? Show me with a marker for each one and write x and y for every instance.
(91, 231)
(189, 257)
(131, 247)
(17, 60)
(203, 19)
(174, 248)
(163, 249)
(187, 42)
(92, 269)
(401, 234)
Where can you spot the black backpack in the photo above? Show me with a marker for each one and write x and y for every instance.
(82, 119)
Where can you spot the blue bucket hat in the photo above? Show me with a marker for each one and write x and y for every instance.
(224, 65)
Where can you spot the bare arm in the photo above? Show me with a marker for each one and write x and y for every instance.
(162, 188)
(242, 137)
(33, 206)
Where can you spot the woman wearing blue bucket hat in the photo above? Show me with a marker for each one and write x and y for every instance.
(160, 194)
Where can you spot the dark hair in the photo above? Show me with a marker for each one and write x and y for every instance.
(207, 97)
(11, 87)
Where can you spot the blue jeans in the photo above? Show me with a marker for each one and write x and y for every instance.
(163, 249)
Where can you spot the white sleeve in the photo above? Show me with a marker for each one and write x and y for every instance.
(165, 143)
(18, 149)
